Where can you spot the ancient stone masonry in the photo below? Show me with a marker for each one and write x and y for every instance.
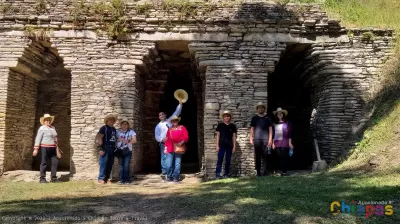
(80, 64)
(343, 76)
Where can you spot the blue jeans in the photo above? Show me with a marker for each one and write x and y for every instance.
(221, 154)
(163, 158)
(173, 161)
(106, 162)
(124, 162)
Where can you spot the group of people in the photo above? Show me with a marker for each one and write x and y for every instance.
(268, 138)
(271, 140)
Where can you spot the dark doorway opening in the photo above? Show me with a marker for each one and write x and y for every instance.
(174, 71)
(286, 90)
(179, 78)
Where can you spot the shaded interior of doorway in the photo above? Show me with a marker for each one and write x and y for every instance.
(39, 84)
(286, 90)
(174, 71)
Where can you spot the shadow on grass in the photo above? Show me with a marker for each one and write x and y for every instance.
(293, 199)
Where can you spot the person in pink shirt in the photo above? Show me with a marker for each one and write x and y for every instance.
(282, 139)
(177, 135)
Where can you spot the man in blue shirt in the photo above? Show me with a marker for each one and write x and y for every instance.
(161, 132)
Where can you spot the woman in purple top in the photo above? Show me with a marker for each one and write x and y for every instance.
(282, 138)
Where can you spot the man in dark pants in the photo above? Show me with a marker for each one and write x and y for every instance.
(226, 143)
(261, 138)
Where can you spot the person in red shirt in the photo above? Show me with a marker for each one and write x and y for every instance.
(177, 135)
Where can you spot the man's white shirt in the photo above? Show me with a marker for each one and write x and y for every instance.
(162, 127)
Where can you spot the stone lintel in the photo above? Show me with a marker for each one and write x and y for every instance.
(289, 38)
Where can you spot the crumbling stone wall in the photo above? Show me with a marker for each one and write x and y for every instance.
(234, 47)
(343, 77)
(21, 108)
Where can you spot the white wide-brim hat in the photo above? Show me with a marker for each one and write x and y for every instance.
(127, 121)
(225, 112)
(45, 117)
(110, 116)
(260, 104)
(280, 110)
(181, 95)
(175, 118)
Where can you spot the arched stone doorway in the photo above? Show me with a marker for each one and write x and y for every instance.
(38, 84)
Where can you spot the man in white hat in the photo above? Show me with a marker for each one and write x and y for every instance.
(107, 139)
(261, 136)
(161, 132)
(226, 143)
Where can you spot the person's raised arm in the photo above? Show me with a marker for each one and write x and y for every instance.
(177, 111)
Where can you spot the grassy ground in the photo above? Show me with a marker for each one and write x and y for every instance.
(293, 199)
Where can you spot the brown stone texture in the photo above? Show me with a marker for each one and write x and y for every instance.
(228, 53)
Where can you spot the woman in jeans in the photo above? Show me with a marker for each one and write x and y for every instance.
(176, 135)
(282, 139)
(126, 137)
(46, 141)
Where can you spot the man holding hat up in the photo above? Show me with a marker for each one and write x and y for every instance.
(261, 137)
(161, 132)
(226, 143)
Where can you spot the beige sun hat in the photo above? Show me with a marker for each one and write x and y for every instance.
(181, 95)
(225, 112)
(109, 117)
(280, 110)
(260, 104)
(126, 120)
(45, 117)
(174, 118)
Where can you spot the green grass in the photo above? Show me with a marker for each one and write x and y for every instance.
(363, 13)
(293, 199)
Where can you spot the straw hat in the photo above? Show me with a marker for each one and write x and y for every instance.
(109, 117)
(181, 95)
(173, 118)
(260, 104)
(46, 116)
(280, 110)
(225, 112)
(127, 121)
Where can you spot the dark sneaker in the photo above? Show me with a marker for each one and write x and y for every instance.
(176, 181)
(55, 181)
(43, 181)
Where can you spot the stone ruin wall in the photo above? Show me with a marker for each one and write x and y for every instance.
(234, 48)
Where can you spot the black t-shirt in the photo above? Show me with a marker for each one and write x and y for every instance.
(226, 134)
(261, 127)
(110, 135)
